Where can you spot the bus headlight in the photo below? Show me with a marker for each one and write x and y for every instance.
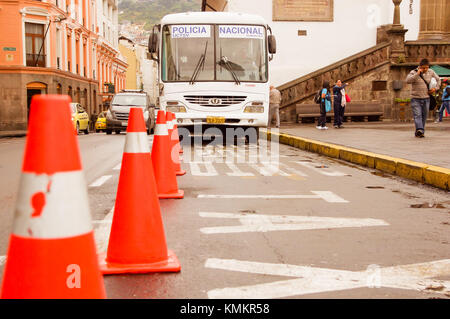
(175, 107)
(254, 109)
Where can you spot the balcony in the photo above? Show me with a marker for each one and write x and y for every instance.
(36, 60)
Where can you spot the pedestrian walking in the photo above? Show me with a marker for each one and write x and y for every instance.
(424, 82)
(274, 106)
(325, 102)
(445, 101)
(339, 103)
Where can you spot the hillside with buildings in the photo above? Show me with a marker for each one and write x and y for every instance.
(149, 12)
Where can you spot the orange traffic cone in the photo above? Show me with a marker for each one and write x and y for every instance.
(175, 135)
(137, 243)
(174, 150)
(51, 250)
(166, 180)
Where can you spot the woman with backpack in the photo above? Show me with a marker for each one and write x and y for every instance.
(325, 105)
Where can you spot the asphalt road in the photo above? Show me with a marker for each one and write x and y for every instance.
(294, 225)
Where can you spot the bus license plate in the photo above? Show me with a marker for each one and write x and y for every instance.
(124, 123)
(215, 120)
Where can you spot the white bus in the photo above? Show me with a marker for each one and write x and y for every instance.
(214, 67)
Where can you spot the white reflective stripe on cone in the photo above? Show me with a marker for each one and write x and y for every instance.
(52, 206)
(170, 125)
(161, 129)
(136, 142)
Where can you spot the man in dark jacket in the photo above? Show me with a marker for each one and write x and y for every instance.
(339, 104)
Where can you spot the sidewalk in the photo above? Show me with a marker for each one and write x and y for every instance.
(391, 139)
(13, 133)
(385, 146)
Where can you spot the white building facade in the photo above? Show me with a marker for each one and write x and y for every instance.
(306, 46)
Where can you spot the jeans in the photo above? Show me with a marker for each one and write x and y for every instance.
(323, 115)
(445, 105)
(420, 108)
(274, 109)
(338, 114)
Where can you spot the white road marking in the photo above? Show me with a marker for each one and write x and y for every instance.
(196, 171)
(321, 170)
(327, 196)
(268, 169)
(236, 171)
(102, 231)
(2, 260)
(117, 167)
(330, 197)
(311, 280)
(100, 181)
(265, 223)
(293, 170)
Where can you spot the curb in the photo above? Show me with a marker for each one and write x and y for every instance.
(423, 173)
(13, 134)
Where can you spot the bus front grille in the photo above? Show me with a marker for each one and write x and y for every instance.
(214, 100)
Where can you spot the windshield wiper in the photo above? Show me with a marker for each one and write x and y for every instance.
(200, 65)
(227, 64)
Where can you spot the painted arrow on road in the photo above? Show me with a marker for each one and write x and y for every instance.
(310, 280)
(265, 223)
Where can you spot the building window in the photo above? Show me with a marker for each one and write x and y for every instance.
(58, 48)
(77, 54)
(69, 53)
(34, 43)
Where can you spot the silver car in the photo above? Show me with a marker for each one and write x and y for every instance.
(119, 111)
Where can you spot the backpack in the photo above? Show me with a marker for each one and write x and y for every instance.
(447, 89)
(318, 97)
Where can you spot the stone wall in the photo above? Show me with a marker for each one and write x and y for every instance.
(13, 94)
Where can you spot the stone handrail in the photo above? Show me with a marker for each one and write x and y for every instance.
(306, 86)
(433, 51)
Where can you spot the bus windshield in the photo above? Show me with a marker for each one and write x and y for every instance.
(193, 53)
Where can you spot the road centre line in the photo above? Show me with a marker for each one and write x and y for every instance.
(265, 223)
(100, 181)
(325, 195)
(310, 280)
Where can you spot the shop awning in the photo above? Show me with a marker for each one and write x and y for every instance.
(440, 70)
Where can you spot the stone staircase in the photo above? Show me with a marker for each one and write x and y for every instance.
(303, 89)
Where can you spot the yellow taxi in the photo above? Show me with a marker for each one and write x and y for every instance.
(100, 124)
(80, 118)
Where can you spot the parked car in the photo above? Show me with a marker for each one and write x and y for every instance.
(100, 124)
(119, 111)
(80, 118)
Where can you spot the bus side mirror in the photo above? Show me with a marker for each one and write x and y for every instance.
(272, 44)
(153, 43)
